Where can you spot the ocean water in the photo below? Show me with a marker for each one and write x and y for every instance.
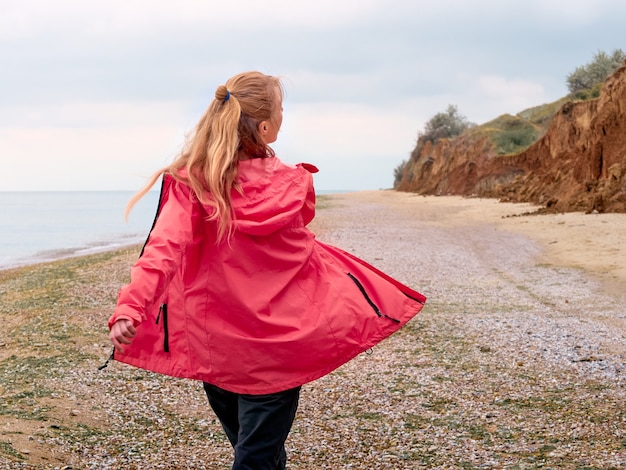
(45, 226)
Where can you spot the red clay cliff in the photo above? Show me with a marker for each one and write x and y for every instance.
(579, 164)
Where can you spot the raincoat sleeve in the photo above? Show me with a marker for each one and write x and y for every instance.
(161, 256)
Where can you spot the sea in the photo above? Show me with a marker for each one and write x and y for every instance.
(44, 226)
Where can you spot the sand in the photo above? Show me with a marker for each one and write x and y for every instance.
(590, 242)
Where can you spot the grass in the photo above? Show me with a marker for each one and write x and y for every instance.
(6, 448)
(46, 311)
(514, 134)
(510, 134)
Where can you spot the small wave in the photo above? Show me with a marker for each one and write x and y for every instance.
(40, 226)
(72, 252)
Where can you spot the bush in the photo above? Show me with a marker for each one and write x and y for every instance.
(588, 93)
(515, 135)
(596, 71)
(398, 172)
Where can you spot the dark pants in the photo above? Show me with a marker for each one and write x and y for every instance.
(257, 426)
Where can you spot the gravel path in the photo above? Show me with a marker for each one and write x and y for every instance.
(511, 364)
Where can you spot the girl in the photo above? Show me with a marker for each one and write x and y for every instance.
(232, 289)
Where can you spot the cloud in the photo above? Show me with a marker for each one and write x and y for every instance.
(29, 18)
(89, 145)
(578, 12)
(493, 95)
(100, 93)
(360, 130)
(355, 146)
(85, 114)
(84, 158)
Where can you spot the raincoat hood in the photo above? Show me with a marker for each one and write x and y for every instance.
(270, 195)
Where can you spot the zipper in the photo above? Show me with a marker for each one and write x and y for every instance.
(166, 336)
(369, 301)
(109, 359)
(158, 212)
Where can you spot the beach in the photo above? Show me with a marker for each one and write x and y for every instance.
(591, 242)
(516, 361)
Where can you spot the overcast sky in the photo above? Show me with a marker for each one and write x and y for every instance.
(99, 94)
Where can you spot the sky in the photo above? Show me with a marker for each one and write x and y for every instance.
(97, 95)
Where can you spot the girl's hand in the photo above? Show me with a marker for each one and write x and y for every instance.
(122, 332)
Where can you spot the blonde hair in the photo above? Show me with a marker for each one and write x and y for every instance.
(227, 132)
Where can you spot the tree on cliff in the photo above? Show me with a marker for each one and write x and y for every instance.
(444, 125)
(596, 71)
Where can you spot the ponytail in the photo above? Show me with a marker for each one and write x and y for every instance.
(227, 132)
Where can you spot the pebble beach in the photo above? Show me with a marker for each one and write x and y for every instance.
(517, 361)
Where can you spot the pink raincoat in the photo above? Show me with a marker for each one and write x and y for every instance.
(270, 309)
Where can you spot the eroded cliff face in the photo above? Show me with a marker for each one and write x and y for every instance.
(578, 165)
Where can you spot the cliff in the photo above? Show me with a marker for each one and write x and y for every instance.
(578, 163)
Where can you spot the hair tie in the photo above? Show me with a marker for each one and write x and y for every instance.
(227, 96)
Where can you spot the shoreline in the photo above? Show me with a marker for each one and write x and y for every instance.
(589, 242)
(62, 254)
